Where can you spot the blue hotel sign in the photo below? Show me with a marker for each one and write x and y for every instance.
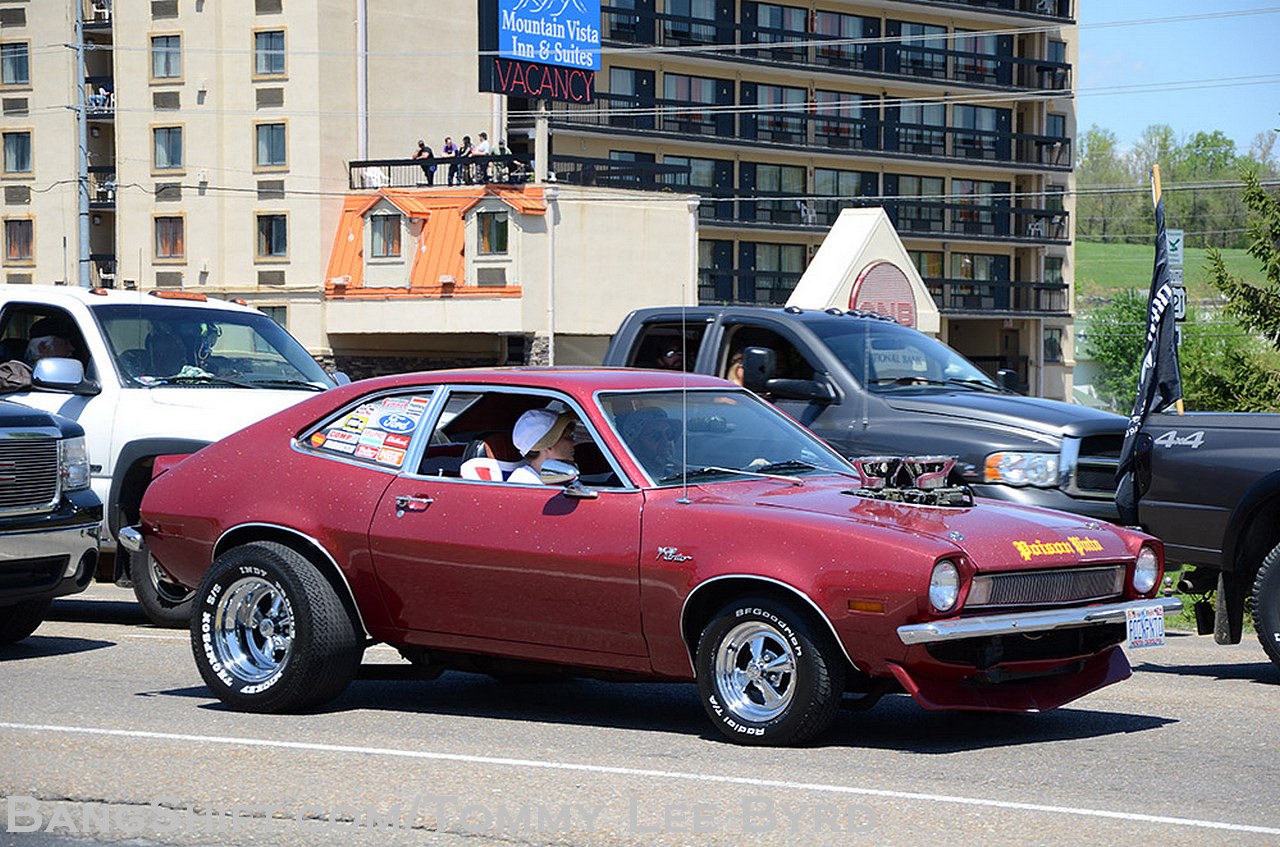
(564, 33)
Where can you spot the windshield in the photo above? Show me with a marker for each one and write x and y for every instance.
(164, 345)
(886, 357)
(714, 435)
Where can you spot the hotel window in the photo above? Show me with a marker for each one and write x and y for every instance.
(977, 53)
(268, 53)
(1055, 126)
(681, 14)
(271, 145)
(839, 118)
(1052, 345)
(787, 183)
(679, 88)
(273, 236)
(923, 128)
(923, 50)
(840, 30)
(170, 238)
(15, 67)
(166, 56)
(18, 238)
(841, 186)
(384, 232)
(925, 212)
(927, 262)
(492, 228)
(786, 25)
(168, 148)
(782, 112)
(778, 269)
(17, 152)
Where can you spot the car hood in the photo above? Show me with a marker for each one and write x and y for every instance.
(1033, 414)
(205, 413)
(995, 536)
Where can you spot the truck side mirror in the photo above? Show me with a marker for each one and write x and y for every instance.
(758, 365)
(1008, 379)
(818, 390)
(58, 374)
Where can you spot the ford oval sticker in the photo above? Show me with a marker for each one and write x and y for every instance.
(397, 423)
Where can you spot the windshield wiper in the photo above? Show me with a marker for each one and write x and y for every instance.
(975, 384)
(713, 470)
(288, 383)
(202, 379)
(971, 384)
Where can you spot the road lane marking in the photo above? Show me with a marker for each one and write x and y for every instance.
(232, 741)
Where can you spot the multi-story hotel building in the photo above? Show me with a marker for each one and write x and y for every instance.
(222, 139)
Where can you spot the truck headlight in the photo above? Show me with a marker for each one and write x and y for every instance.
(944, 586)
(1146, 570)
(73, 463)
(1015, 468)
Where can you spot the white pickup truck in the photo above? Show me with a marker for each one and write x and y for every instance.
(165, 372)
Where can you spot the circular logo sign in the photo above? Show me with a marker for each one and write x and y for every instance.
(885, 289)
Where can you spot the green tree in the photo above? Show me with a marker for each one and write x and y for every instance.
(1116, 339)
(1255, 307)
(1108, 201)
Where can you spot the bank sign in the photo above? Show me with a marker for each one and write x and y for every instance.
(564, 33)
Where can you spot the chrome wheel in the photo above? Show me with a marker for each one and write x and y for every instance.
(253, 629)
(755, 671)
(169, 592)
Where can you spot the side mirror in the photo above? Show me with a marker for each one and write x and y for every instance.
(60, 374)
(758, 365)
(1008, 379)
(817, 390)
(556, 472)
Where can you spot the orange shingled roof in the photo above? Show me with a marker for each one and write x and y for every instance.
(441, 248)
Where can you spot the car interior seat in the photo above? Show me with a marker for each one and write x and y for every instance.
(490, 457)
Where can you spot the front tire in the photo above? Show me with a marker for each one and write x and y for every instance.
(270, 633)
(21, 619)
(1264, 604)
(165, 603)
(768, 674)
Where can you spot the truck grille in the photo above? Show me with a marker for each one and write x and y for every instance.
(1095, 473)
(1046, 588)
(28, 474)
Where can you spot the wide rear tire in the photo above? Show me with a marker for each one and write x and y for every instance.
(1264, 604)
(165, 603)
(270, 633)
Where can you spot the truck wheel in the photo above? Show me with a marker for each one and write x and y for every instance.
(767, 674)
(165, 603)
(269, 632)
(1265, 604)
(21, 619)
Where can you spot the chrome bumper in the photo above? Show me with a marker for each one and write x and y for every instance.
(1021, 623)
(131, 539)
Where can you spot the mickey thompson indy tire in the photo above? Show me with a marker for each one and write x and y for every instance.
(1264, 603)
(768, 674)
(269, 632)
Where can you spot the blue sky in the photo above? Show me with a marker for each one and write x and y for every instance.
(1172, 57)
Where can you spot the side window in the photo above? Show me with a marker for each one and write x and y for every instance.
(376, 432)
(475, 438)
(664, 346)
(791, 363)
(53, 331)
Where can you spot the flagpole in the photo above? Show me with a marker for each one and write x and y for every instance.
(1156, 194)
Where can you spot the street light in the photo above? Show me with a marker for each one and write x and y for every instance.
(550, 193)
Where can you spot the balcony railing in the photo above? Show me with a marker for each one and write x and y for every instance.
(96, 13)
(415, 173)
(817, 130)
(979, 220)
(987, 295)
(803, 48)
(102, 186)
(100, 97)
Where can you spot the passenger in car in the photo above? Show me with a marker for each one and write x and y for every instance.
(540, 435)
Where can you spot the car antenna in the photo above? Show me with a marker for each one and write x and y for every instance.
(684, 396)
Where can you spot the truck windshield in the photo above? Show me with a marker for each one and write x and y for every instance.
(167, 345)
(886, 357)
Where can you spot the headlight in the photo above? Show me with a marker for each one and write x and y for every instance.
(1146, 570)
(944, 586)
(1011, 468)
(73, 463)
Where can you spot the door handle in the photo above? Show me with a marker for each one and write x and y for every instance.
(405, 503)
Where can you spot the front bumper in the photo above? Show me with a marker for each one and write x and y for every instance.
(51, 555)
(1022, 623)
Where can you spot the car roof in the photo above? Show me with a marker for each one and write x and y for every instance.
(64, 295)
(578, 380)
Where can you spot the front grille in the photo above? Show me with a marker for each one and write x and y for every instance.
(28, 474)
(32, 574)
(1065, 644)
(1046, 588)
(1096, 464)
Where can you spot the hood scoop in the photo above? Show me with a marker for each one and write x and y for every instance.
(918, 480)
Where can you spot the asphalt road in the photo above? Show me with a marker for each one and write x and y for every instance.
(107, 735)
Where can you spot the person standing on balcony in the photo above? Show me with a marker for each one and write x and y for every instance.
(428, 158)
(450, 151)
(464, 151)
(482, 149)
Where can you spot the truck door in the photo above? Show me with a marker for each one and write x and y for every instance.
(794, 360)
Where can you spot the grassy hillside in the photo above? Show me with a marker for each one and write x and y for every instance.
(1103, 268)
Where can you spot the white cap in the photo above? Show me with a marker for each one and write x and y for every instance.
(538, 429)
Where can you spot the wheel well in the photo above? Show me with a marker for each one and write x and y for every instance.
(132, 486)
(709, 596)
(1260, 535)
(306, 547)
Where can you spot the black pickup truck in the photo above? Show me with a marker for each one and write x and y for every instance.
(1210, 489)
(49, 517)
(870, 386)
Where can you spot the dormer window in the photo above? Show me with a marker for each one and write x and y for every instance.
(492, 227)
(384, 234)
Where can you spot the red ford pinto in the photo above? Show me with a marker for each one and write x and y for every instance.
(671, 526)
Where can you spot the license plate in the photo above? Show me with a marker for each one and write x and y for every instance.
(1145, 627)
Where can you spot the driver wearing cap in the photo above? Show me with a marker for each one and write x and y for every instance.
(541, 435)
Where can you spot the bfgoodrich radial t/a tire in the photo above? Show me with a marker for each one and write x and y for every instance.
(269, 632)
(1265, 604)
(768, 674)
